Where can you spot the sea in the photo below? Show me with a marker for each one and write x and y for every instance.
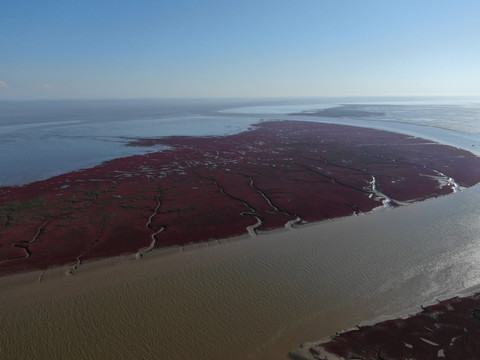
(241, 298)
(41, 139)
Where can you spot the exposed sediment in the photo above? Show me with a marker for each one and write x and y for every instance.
(278, 174)
(154, 236)
(447, 330)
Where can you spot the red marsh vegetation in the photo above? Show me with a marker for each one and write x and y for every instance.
(448, 330)
(279, 173)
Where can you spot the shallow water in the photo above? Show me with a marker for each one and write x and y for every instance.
(247, 299)
(252, 298)
(41, 139)
(455, 114)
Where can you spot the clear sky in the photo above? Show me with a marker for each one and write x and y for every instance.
(247, 48)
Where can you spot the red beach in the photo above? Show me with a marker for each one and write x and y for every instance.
(449, 329)
(279, 173)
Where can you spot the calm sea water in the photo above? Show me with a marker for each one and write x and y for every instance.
(256, 298)
(40, 139)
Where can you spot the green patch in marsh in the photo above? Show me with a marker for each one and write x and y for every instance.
(186, 210)
(127, 206)
(15, 211)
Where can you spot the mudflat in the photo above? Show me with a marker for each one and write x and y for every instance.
(255, 298)
(277, 174)
(448, 329)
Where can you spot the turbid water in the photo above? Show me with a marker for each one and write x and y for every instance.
(251, 298)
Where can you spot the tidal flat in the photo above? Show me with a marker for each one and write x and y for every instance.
(199, 189)
(253, 296)
(247, 299)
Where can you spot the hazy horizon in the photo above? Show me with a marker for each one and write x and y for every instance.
(214, 49)
(256, 99)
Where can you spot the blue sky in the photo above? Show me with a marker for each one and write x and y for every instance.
(187, 48)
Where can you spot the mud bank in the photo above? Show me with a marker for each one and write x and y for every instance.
(257, 298)
(277, 174)
(449, 329)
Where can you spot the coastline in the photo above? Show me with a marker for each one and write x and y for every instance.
(279, 174)
(436, 328)
(238, 273)
(108, 273)
(63, 271)
(457, 139)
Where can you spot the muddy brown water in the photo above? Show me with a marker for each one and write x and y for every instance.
(247, 298)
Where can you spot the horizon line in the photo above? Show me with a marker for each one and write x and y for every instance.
(263, 97)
